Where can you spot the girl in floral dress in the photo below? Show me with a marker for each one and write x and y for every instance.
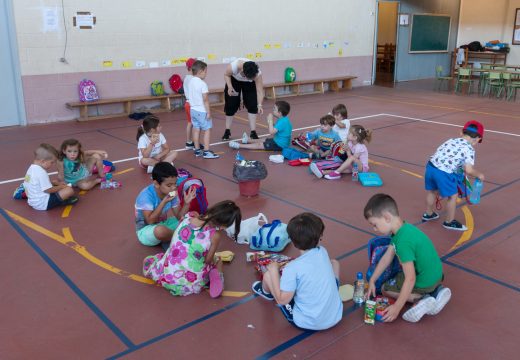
(189, 265)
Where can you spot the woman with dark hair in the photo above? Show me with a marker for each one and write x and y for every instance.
(243, 76)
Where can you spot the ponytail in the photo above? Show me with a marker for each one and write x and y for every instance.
(223, 214)
(149, 122)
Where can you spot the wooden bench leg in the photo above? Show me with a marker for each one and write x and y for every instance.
(83, 112)
(334, 85)
(128, 107)
(347, 84)
(165, 104)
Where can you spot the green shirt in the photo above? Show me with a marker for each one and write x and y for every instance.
(411, 244)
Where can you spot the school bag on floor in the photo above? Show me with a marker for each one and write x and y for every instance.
(370, 179)
(293, 154)
(270, 237)
(327, 164)
(200, 202)
(176, 84)
(248, 228)
(376, 249)
(87, 91)
(157, 88)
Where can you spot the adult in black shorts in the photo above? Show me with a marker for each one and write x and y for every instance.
(243, 77)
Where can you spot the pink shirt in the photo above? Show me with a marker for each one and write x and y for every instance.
(362, 150)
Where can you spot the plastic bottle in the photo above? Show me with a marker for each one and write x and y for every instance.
(359, 289)
(355, 172)
(474, 198)
(308, 136)
(239, 157)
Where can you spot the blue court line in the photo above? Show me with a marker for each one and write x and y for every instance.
(302, 336)
(82, 296)
(484, 276)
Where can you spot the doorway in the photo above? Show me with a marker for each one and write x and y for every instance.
(386, 43)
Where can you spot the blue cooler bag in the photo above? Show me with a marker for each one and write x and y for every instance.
(369, 179)
(270, 237)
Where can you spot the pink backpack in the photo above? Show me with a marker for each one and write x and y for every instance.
(87, 91)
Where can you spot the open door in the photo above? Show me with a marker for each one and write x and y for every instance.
(386, 43)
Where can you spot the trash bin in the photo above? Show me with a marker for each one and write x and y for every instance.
(249, 188)
(248, 174)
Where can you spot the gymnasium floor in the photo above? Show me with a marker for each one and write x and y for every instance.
(71, 278)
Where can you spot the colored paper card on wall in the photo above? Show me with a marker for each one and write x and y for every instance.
(301, 44)
(340, 52)
(212, 56)
(126, 64)
(183, 60)
(166, 63)
(277, 46)
(140, 63)
(153, 64)
(267, 46)
(325, 44)
(331, 44)
(258, 55)
(176, 61)
(107, 63)
(250, 56)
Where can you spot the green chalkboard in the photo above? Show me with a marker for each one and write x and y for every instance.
(429, 33)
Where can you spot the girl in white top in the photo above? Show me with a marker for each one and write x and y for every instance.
(152, 144)
(243, 76)
(358, 137)
(342, 125)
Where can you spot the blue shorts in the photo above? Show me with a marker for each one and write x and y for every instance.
(199, 120)
(441, 181)
(55, 200)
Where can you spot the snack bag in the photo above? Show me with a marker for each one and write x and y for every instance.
(382, 303)
(264, 260)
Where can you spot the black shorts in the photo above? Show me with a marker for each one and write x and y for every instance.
(248, 91)
(54, 201)
(271, 145)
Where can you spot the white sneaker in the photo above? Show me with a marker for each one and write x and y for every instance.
(442, 298)
(416, 312)
(149, 169)
(234, 145)
(245, 138)
(315, 170)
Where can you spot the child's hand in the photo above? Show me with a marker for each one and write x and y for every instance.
(371, 292)
(154, 139)
(170, 196)
(273, 265)
(104, 154)
(231, 91)
(190, 195)
(391, 313)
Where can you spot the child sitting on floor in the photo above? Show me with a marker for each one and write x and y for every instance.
(307, 291)
(76, 166)
(342, 125)
(421, 276)
(41, 194)
(157, 211)
(152, 144)
(282, 131)
(189, 263)
(323, 138)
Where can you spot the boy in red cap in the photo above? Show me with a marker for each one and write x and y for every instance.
(444, 167)
(186, 84)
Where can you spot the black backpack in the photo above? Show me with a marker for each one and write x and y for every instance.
(475, 46)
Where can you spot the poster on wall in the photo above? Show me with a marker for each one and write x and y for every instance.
(516, 28)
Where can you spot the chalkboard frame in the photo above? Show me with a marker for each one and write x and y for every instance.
(429, 51)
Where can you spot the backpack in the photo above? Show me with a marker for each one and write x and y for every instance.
(182, 174)
(475, 46)
(176, 84)
(336, 149)
(270, 237)
(157, 88)
(200, 203)
(290, 75)
(87, 91)
(376, 249)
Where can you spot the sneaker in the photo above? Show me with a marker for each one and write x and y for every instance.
(432, 216)
(454, 225)
(208, 154)
(301, 141)
(216, 283)
(234, 145)
(441, 299)
(315, 170)
(253, 135)
(71, 201)
(149, 169)
(416, 312)
(259, 290)
(334, 175)
(198, 153)
(245, 138)
(189, 145)
(227, 135)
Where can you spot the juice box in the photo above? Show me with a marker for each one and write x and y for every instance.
(254, 255)
(370, 312)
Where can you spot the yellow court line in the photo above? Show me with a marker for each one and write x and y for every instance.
(123, 171)
(243, 119)
(466, 235)
(412, 173)
(234, 293)
(66, 211)
(82, 192)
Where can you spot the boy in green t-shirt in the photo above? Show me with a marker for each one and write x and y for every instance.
(420, 280)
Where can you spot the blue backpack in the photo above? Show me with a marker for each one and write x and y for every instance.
(293, 154)
(270, 237)
(376, 249)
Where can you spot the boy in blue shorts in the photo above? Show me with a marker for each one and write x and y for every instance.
(307, 291)
(200, 110)
(420, 280)
(452, 158)
(282, 131)
(157, 210)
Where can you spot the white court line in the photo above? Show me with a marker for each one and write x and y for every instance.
(183, 149)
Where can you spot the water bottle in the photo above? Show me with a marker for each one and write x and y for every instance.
(308, 137)
(355, 172)
(239, 157)
(474, 198)
(359, 289)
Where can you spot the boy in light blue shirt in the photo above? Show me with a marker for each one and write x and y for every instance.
(307, 291)
(323, 137)
(282, 131)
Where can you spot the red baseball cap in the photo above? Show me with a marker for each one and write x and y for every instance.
(189, 63)
(474, 127)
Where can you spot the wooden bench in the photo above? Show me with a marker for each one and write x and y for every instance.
(318, 87)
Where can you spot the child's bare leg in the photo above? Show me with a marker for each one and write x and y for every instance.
(411, 299)
(431, 197)
(205, 137)
(189, 138)
(96, 160)
(66, 193)
(88, 183)
(252, 121)
(451, 204)
(148, 161)
(196, 141)
(163, 233)
(346, 165)
(170, 157)
(253, 145)
(267, 283)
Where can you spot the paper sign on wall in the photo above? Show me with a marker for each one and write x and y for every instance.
(277, 46)
(340, 52)
(249, 56)
(126, 64)
(153, 64)
(258, 55)
(140, 63)
(50, 19)
(212, 56)
(165, 63)
(107, 63)
(267, 46)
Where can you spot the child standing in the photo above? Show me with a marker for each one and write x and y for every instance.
(157, 211)
(41, 194)
(152, 144)
(282, 131)
(356, 150)
(307, 291)
(76, 166)
(324, 137)
(342, 124)
(452, 158)
(200, 109)
(185, 85)
(420, 280)
(189, 264)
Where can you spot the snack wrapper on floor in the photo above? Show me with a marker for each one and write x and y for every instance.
(263, 261)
